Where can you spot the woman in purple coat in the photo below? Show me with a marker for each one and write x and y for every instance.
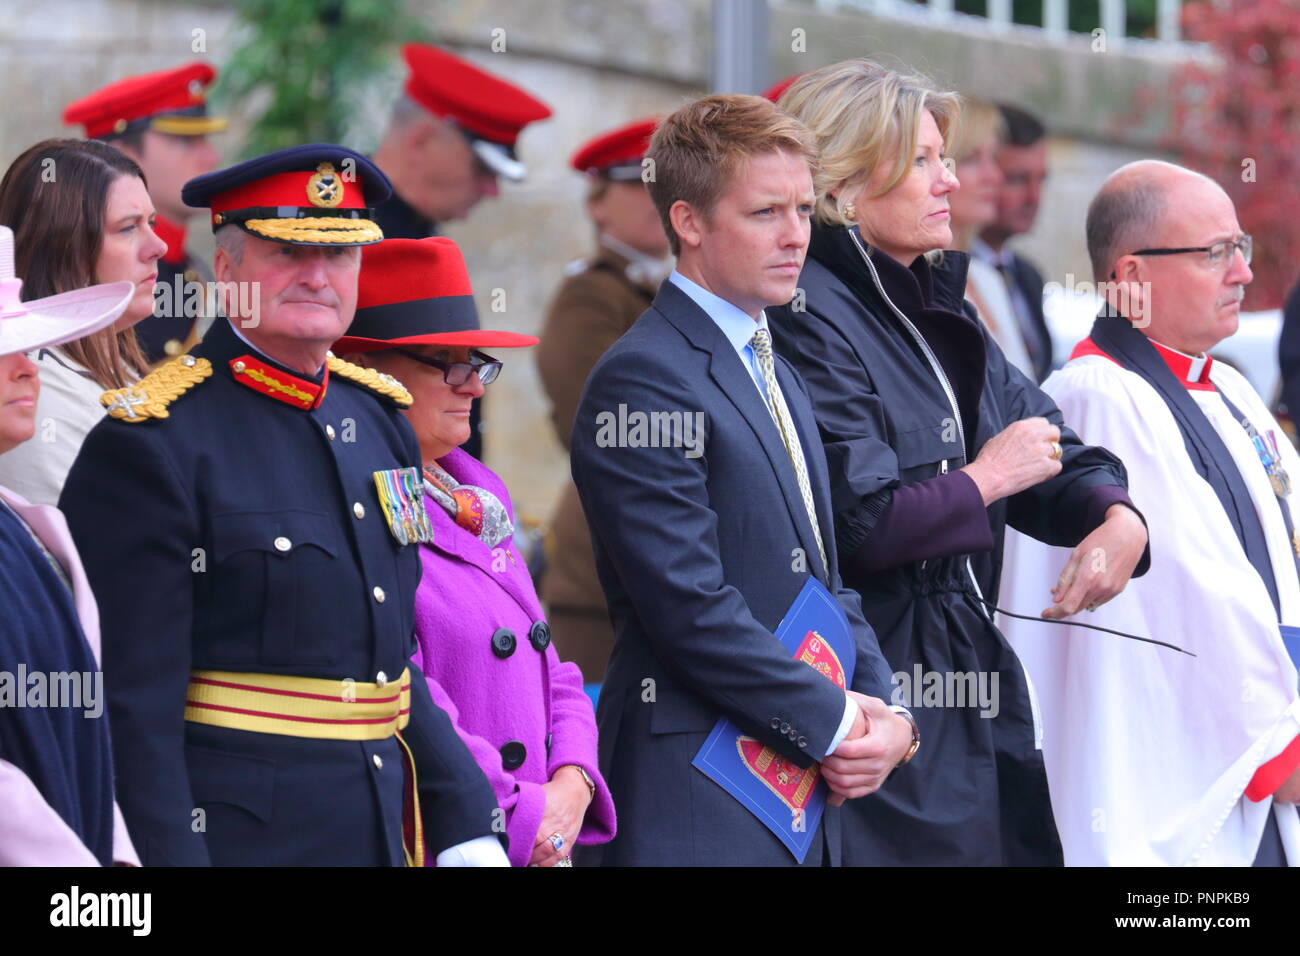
(483, 642)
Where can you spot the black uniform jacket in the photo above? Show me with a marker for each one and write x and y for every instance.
(244, 534)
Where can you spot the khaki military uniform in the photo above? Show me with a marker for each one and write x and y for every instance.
(598, 301)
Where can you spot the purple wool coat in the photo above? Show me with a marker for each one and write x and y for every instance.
(522, 715)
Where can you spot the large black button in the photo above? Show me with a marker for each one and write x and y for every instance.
(776, 723)
(513, 755)
(503, 642)
(802, 743)
(784, 728)
(539, 635)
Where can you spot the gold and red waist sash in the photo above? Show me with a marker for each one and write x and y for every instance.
(313, 707)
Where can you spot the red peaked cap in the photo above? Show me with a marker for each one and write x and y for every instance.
(620, 148)
(417, 292)
(484, 104)
(180, 91)
(775, 91)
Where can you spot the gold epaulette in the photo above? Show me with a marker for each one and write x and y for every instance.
(149, 397)
(385, 385)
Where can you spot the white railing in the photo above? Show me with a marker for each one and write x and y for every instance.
(1055, 14)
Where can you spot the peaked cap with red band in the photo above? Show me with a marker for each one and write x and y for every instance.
(315, 195)
(489, 110)
(777, 90)
(169, 101)
(417, 292)
(616, 154)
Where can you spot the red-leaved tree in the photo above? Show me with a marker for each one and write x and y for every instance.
(1238, 121)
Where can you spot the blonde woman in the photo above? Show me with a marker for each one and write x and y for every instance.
(935, 443)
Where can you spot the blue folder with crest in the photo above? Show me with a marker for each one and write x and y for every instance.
(787, 798)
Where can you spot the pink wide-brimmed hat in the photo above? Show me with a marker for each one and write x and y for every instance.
(56, 319)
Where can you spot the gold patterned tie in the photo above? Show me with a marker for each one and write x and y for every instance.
(761, 343)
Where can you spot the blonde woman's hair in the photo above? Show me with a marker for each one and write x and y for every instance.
(864, 114)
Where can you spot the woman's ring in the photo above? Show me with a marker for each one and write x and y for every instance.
(1056, 450)
(557, 841)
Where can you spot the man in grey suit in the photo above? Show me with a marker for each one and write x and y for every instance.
(700, 470)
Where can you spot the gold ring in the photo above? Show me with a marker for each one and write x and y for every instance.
(1093, 606)
(1057, 451)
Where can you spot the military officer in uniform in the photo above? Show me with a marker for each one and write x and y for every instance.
(597, 302)
(161, 121)
(249, 516)
(452, 133)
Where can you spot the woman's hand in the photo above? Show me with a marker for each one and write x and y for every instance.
(567, 799)
(1018, 457)
(1101, 565)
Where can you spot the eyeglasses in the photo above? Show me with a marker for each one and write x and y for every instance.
(457, 373)
(1218, 254)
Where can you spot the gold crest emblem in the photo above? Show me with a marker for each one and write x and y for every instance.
(325, 187)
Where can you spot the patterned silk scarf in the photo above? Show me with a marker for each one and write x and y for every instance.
(475, 509)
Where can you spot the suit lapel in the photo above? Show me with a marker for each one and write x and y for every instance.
(731, 376)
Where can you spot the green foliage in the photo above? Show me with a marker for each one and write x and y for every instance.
(315, 58)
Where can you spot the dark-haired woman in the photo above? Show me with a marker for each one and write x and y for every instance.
(81, 214)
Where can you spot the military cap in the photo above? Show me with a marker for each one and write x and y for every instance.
(616, 154)
(417, 292)
(488, 110)
(169, 101)
(777, 89)
(315, 195)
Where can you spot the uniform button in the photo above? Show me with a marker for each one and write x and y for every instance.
(503, 642)
(513, 755)
(239, 367)
(283, 544)
(539, 635)
(379, 762)
(174, 347)
(793, 734)
(359, 509)
(802, 743)
(189, 361)
(378, 592)
(381, 678)
(776, 723)
(784, 728)
(191, 275)
(329, 432)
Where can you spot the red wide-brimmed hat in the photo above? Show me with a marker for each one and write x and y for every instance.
(417, 292)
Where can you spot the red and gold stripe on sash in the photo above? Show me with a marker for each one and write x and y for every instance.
(299, 706)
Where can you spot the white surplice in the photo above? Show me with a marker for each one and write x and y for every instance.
(1149, 751)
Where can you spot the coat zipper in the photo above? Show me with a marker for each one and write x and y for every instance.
(943, 466)
(920, 340)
